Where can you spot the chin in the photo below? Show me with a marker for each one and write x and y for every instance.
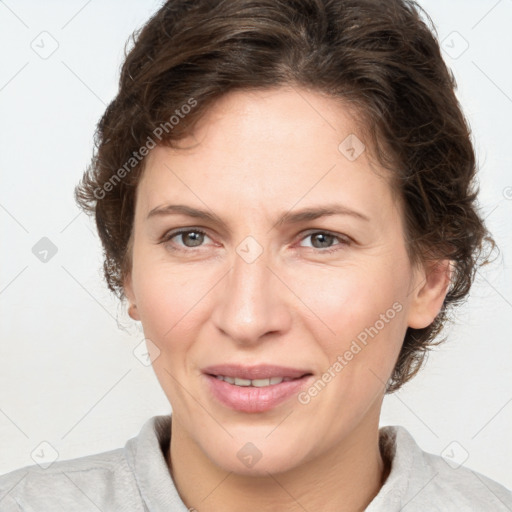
(256, 459)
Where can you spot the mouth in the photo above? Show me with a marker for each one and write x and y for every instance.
(255, 372)
(256, 383)
(254, 388)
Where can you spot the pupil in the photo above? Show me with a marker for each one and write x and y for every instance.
(325, 236)
(191, 234)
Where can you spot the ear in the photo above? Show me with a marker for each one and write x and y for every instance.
(128, 292)
(430, 289)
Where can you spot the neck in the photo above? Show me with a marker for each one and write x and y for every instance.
(346, 478)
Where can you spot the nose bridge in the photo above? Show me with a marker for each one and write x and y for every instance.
(250, 304)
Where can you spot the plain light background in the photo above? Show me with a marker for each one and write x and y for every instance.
(68, 373)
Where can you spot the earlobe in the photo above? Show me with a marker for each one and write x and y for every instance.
(132, 312)
(128, 291)
(429, 294)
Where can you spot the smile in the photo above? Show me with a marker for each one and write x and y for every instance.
(252, 389)
(257, 383)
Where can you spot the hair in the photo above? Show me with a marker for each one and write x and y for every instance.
(381, 58)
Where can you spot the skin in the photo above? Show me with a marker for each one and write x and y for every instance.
(255, 156)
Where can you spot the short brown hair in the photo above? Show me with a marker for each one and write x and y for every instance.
(380, 57)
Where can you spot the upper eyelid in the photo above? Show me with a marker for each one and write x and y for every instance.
(179, 231)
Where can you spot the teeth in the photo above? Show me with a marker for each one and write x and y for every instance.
(242, 382)
(257, 383)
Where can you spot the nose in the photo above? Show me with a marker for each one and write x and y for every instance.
(251, 302)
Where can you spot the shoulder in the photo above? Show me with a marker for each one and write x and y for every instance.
(463, 487)
(103, 479)
(425, 481)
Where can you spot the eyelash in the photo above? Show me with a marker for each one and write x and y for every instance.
(344, 240)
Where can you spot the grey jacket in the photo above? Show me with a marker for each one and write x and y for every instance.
(136, 479)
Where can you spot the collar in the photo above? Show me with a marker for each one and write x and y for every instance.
(146, 455)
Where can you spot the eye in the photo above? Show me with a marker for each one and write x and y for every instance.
(322, 240)
(190, 238)
(194, 237)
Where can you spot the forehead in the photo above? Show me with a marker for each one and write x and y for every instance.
(271, 148)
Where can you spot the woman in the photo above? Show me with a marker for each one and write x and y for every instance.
(283, 190)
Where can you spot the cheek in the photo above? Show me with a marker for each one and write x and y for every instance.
(168, 295)
(362, 307)
(348, 302)
(171, 305)
(166, 308)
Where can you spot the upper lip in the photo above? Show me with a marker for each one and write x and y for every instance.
(261, 371)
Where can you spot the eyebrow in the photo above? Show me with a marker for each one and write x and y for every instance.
(290, 217)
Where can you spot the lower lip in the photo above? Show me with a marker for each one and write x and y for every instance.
(251, 398)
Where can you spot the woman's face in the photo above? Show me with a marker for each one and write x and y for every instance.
(329, 296)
